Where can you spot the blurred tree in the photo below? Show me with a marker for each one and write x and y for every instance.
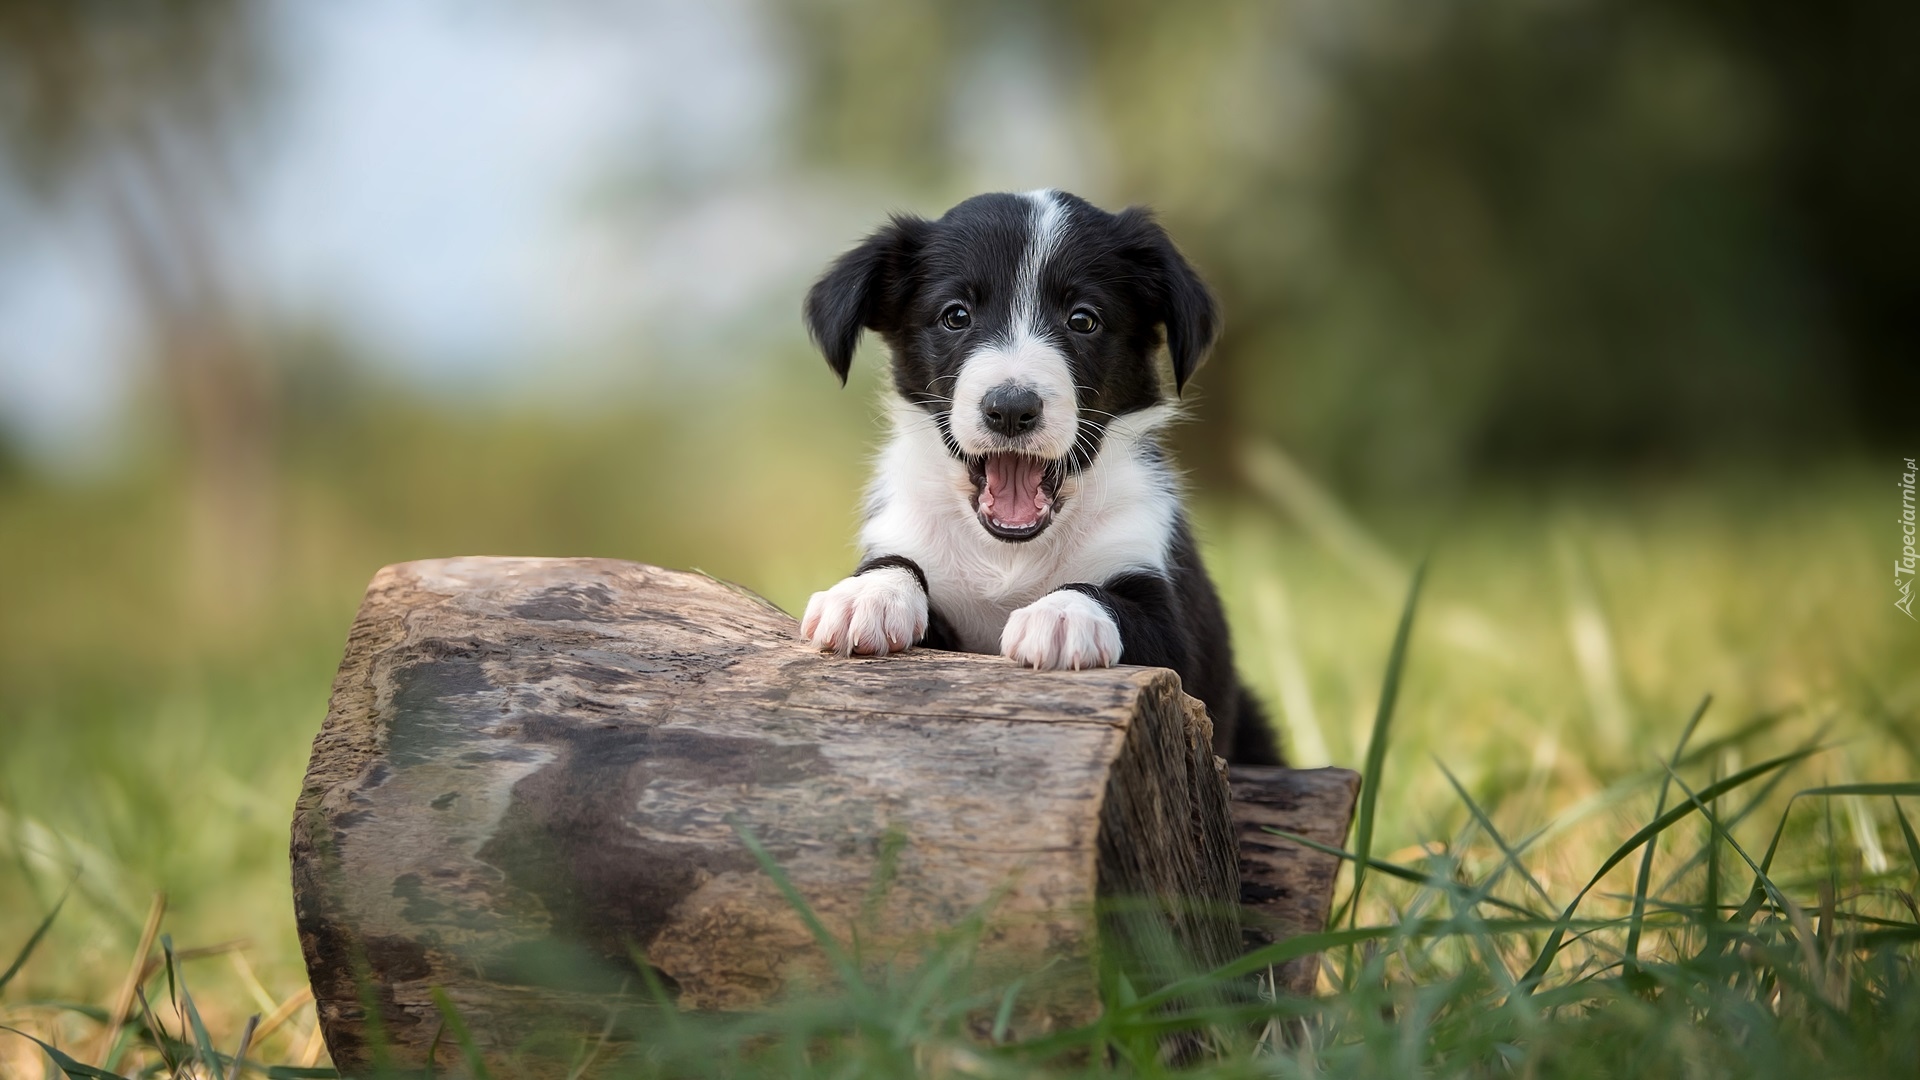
(1463, 239)
(1846, 89)
(878, 81)
(126, 115)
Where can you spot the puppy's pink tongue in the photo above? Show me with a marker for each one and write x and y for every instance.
(1012, 494)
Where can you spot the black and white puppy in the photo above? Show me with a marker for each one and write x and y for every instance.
(1022, 504)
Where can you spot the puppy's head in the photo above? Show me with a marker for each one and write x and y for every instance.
(1024, 324)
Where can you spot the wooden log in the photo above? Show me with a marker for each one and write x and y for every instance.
(536, 776)
(1285, 887)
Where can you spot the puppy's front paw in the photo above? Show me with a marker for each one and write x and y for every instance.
(880, 611)
(1063, 629)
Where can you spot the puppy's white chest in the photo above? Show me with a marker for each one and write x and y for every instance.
(1118, 516)
(977, 599)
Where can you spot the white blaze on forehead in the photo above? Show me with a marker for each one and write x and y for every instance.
(1047, 221)
(1027, 354)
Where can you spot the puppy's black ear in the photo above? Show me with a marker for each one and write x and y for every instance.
(1181, 301)
(867, 288)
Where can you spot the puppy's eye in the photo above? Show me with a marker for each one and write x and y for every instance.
(956, 317)
(1082, 321)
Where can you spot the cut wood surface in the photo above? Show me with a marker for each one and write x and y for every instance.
(536, 778)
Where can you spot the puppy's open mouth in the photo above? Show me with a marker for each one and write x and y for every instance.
(1015, 494)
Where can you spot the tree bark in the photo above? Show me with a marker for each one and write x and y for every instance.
(1286, 888)
(537, 781)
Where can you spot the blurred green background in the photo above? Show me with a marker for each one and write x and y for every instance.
(1609, 306)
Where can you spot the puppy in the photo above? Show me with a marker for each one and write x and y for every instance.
(1023, 504)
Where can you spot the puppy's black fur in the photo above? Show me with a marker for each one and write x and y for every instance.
(1086, 298)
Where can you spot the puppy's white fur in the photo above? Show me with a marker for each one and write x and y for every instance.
(1026, 355)
(1116, 516)
(1065, 629)
(1027, 361)
(880, 611)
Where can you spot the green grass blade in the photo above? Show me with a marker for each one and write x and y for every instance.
(95, 1013)
(1640, 880)
(1003, 1016)
(1755, 895)
(1626, 787)
(1762, 881)
(1647, 832)
(1755, 801)
(75, 1070)
(203, 1043)
(246, 1043)
(1892, 789)
(1377, 745)
(476, 1065)
(1906, 830)
(203, 1048)
(1304, 944)
(842, 963)
(929, 981)
(1904, 787)
(886, 868)
(1710, 901)
(1127, 1005)
(33, 942)
(163, 1040)
(1404, 873)
(1507, 851)
(173, 983)
(668, 1009)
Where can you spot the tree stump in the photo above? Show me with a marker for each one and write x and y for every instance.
(537, 779)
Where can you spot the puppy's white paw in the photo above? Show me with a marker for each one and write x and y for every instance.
(1063, 629)
(880, 611)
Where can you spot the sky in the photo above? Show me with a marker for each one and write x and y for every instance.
(483, 196)
(427, 184)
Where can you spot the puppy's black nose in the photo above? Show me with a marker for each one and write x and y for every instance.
(1010, 410)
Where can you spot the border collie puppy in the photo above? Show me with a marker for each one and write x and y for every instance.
(1023, 504)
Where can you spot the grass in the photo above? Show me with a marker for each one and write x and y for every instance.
(1572, 868)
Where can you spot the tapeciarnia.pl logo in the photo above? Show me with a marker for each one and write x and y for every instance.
(1903, 566)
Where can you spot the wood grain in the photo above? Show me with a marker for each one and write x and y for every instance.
(1285, 888)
